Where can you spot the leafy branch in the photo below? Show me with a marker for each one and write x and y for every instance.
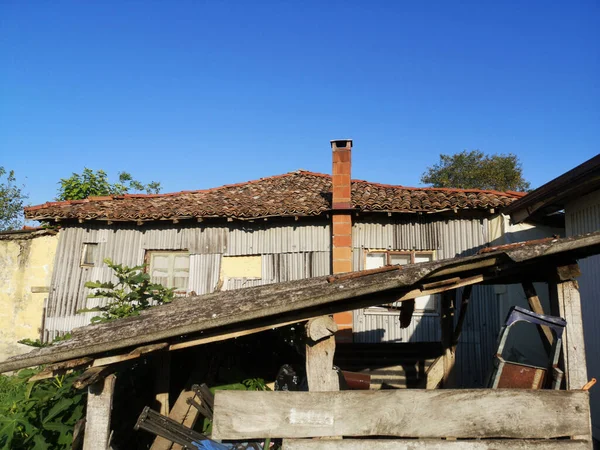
(132, 293)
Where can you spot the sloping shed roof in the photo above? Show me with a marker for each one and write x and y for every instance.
(554, 195)
(298, 193)
(225, 312)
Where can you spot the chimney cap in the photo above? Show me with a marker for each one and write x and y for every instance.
(341, 143)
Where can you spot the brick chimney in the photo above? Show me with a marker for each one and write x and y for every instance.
(342, 224)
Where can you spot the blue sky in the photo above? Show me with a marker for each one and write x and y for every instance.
(197, 94)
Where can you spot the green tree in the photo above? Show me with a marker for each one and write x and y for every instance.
(11, 201)
(95, 183)
(476, 170)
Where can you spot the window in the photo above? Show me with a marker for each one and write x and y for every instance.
(169, 268)
(376, 259)
(88, 254)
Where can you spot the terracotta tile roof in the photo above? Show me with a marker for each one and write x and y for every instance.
(300, 193)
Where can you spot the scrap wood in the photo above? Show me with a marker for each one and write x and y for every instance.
(92, 375)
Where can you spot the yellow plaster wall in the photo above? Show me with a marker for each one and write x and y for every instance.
(24, 264)
(241, 267)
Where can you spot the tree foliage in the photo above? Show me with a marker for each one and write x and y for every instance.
(95, 183)
(11, 201)
(133, 293)
(476, 170)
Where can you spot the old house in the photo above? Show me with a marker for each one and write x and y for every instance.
(577, 194)
(282, 228)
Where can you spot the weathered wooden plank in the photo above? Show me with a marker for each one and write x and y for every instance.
(320, 349)
(99, 409)
(482, 413)
(430, 444)
(434, 375)
(183, 413)
(134, 354)
(224, 337)
(573, 346)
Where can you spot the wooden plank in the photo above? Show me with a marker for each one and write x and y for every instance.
(434, 375)
(162, 381)
(569, 304)
(447, 323)
(431, 444)
(320, 349)
(134, 354)
(183, 413)
(462, 315)
(61, 368)
(99, 408)
(236, 334)
(439, 413)
(536, 306)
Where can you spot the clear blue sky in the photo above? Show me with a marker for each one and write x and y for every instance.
(197, 94)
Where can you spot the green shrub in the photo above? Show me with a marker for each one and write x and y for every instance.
(39, 415)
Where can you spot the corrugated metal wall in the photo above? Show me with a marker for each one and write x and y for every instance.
(290, 251)
(448, 238)
(583, 216)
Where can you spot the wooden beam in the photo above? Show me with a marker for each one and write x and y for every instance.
(434, 375)
(409, 413)
(99, 409)
(536, 306)
(320, 348)
(183, 413)
(134, 354)
(232, 335)
(433, 444)
(462, 315)
(569, 304)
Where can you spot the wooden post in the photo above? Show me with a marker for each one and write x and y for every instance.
(447, 324)
(320, 348)
(162, 381)
(569, 305)
(99, 408)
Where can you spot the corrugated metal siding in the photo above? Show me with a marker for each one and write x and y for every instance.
(127, 244)
(583, 216)
(204, 273)
(449, 238)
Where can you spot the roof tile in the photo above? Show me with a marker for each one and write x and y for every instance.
(298, 193)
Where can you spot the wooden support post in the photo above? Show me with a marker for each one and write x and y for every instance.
(99, 408)
(536, 306)
(162, 381)
(569, 305)
(447, 323)
(320, 348)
